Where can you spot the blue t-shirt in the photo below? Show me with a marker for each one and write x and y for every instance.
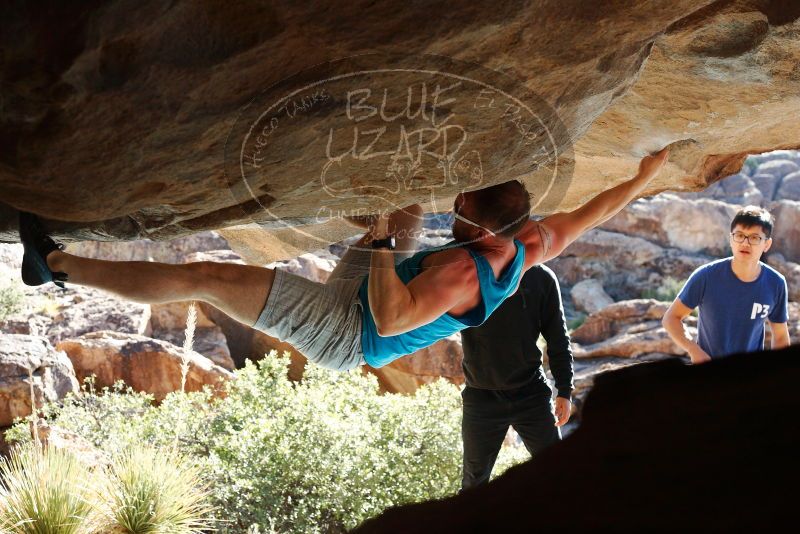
(732, 312)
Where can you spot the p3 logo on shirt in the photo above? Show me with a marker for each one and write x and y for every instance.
(763, 309)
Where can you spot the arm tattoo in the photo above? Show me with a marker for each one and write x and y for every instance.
(544, 236)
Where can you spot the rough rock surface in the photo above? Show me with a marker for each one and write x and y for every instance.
(649, 433)
(625, 329)
(786, 236)
(309, 266)
(142, 363)
(64, 313)
(627, 265)
(440, 360)
(173, 251)
(117, 120)
(168, 322)
(210, 342)
(53, 375)
(589, 296)
(699, 226)
(790, 187)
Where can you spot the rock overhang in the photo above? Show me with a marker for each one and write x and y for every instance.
(117, 122)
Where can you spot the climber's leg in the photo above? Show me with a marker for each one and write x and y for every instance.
(240, 291)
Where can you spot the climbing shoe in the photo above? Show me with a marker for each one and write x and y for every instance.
(38, 245)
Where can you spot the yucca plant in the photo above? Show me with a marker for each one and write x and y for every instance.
(156, 491)
(47, 491)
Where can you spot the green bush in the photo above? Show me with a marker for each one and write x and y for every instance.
(321, 455)
(11, 297)
(666, 292)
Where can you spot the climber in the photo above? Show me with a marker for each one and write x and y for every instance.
(370, 310)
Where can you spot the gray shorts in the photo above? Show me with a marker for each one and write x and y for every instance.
(322, 321)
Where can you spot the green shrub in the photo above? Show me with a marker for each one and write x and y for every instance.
(321, 455)
(11, 297)
(666, 292)
(47, 491)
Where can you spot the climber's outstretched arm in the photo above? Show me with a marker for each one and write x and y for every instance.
(547, 238)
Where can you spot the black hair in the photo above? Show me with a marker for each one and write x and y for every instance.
(754, 216)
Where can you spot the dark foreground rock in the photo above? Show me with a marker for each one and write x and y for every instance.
(662, 447)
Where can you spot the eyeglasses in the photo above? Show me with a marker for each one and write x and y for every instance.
(753, 239)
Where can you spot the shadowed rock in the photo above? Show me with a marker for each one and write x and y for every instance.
(653, 437)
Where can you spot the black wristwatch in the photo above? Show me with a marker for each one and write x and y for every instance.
(387, 243)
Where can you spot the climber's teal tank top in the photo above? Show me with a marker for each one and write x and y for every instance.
(378, 351)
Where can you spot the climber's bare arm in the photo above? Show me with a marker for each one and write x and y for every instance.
(547, 238)
(397, 307)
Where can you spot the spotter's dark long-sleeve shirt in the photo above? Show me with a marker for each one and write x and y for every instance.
(501, 354)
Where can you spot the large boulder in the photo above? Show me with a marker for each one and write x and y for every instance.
(208, 341)
(440, 360)
(168, 322)
(609, 321)
(699, 226)
(632, 341)
(630, 267)
(625, 329)
(767, 184)
(64, 313)
(23, 357)
(588, 370)
(778, 168)
(790, 187)
(118, 123)
(602, 244)
(773, 155)
(589, 296)
(786, 236)
(144, 364)
(738, 189)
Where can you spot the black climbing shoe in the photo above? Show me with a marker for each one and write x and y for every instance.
(38, 245)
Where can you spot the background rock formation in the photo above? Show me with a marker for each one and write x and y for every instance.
(115, 116)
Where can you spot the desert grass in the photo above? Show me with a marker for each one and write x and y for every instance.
(150, 490)
(47, 491)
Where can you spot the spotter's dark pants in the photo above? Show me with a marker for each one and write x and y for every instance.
(486, 418)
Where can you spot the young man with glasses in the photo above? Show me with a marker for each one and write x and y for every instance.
(737, 296)
(370, 310)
